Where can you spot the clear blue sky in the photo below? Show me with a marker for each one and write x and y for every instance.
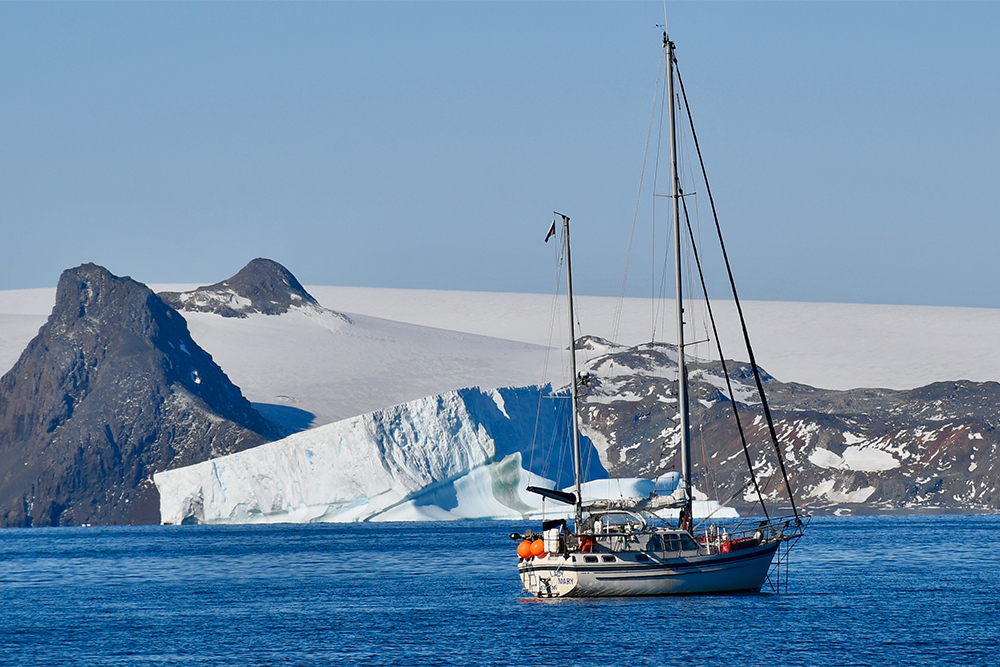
(854, 147)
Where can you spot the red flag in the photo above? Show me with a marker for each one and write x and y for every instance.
(552, 231)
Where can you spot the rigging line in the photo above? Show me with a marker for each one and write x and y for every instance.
(575, 406)
(659, 462)
(660, 309)
(707, 470)
(559, 445)
(725, 368)
(545, 362)
(652, 243)
(661, 312)
(583, 415)
(746, 517)
(659, 298)
(616, 320)
(767, 483)
(700, 419)
(719, 508)
(661, 295)
(739, 308)
(688, 170)
(534, 435)
(749, 512)
(589, 459)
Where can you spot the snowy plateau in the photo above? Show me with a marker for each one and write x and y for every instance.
(413, 404)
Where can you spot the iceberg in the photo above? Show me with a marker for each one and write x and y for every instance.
(463, 454)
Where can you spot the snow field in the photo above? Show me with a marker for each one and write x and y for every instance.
(829, 345)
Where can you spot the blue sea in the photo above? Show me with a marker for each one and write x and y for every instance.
(862, 591)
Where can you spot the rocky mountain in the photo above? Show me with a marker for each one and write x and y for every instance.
(262, 286)
(110, 391)
(863, 450)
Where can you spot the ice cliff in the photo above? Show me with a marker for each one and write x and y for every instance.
(463, 454)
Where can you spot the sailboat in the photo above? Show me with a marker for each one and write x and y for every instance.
(624, 546)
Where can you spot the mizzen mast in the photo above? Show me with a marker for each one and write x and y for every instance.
(577, 474)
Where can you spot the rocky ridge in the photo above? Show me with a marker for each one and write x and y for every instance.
(926, 449)
(262, 286)
(110, 391)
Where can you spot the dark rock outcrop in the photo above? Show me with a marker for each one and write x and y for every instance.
(111, 390)
(262, 286)
(928, 449)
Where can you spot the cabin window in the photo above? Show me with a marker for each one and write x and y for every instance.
(641, 557)
(590, 559)
(687, 544)
(673, 543)
(608, 559)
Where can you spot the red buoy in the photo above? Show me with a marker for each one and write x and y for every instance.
(524, 549)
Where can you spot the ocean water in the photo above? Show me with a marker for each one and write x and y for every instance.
(862, 591)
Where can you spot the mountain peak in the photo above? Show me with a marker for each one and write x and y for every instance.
(262, 286)
(87, 291)
(112, 389)
(596, 343)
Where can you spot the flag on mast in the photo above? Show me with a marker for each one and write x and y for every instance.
(552, 231)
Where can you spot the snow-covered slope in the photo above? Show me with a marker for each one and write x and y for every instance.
(336, 367)
(829, 345)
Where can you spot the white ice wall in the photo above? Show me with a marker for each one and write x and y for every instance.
(347, 470)
(463, 454)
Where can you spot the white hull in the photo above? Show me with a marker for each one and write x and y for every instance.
(641, 573)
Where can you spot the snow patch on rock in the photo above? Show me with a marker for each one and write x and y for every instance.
(828, 490)
(861, 459)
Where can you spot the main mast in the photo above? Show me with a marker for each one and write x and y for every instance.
(577, 475)
(675, 197)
